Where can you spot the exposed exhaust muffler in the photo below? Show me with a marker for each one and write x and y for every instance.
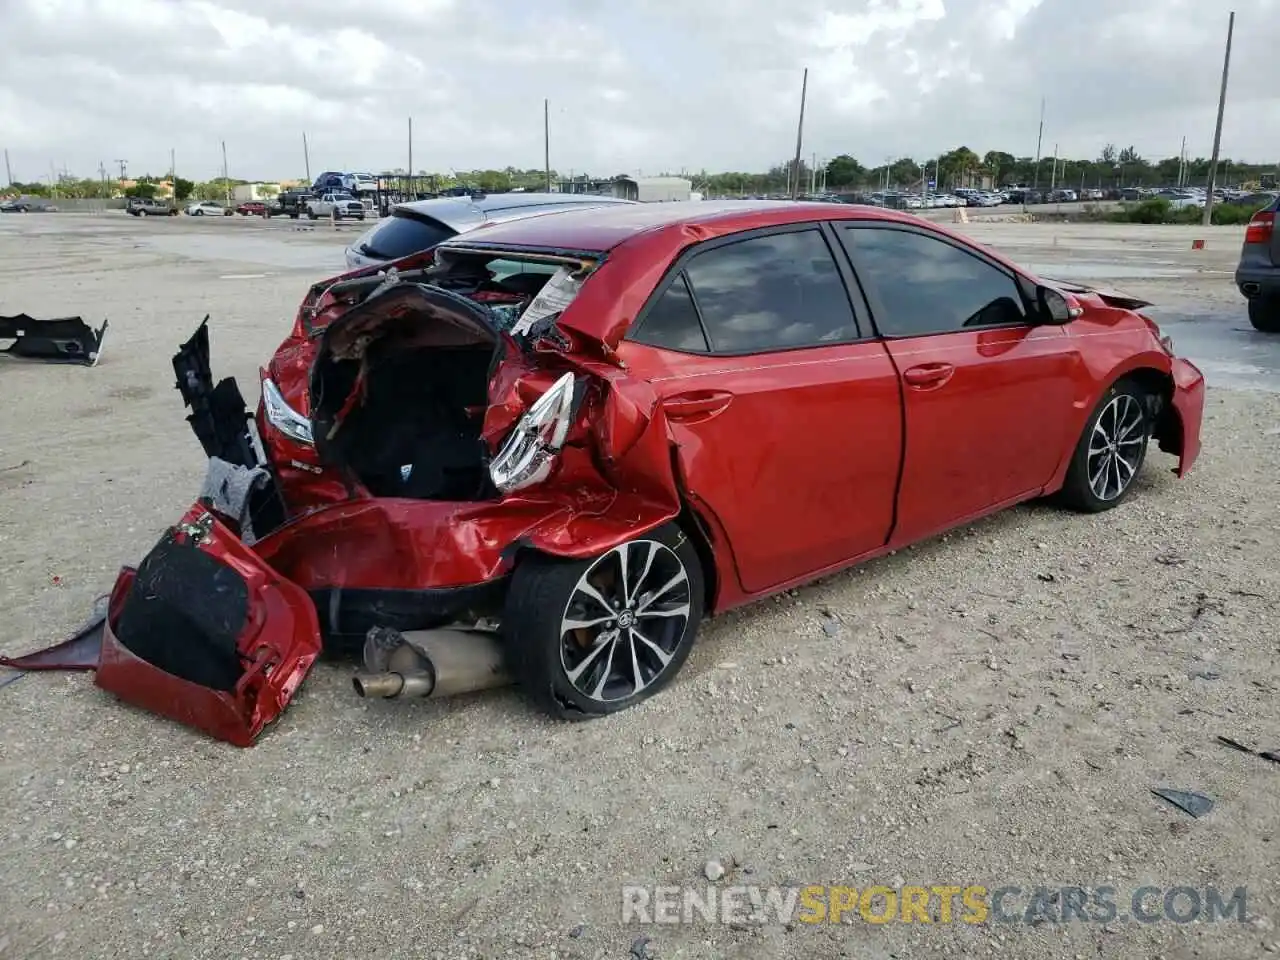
(429, 663)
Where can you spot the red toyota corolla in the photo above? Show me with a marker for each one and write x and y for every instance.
(545, 451)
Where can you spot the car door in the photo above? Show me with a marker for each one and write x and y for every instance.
(785, 414)
(987, 393)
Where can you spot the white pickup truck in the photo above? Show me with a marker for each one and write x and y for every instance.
(339, 206)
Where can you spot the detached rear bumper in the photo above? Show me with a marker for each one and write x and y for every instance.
(1188, 408)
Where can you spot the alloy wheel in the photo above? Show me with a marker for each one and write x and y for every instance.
(625, 620)
(1116, 446)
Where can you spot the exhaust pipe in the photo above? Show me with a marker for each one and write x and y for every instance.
(429, 663)
(1251, 289)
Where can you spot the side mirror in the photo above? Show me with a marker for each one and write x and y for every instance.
(1054, 306)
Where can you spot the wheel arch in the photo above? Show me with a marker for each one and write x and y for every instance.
(1158, 384)
(1167, 428)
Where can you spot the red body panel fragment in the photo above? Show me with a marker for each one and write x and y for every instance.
(279, 643)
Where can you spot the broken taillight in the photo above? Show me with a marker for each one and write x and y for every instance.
(529, 453)
(1260, 227)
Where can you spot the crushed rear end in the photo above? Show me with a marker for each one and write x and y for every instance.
(459, 433)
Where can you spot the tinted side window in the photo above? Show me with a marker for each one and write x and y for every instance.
(925, 285)
(399, 235)
(672, 321)
(771, 292)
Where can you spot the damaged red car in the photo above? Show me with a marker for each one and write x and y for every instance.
(545, 450)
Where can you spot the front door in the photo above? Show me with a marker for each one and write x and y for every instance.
(787, 421)
(987, 395)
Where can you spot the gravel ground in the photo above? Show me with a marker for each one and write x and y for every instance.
(992, 707)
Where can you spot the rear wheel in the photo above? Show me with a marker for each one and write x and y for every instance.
(587, 638)
(1264, 314)
(142, 213)
(1111, 450)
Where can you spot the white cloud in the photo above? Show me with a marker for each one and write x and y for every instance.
(647, 85)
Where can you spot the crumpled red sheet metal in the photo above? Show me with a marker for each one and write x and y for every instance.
(277, 645)
(279, 642)
(78, 652)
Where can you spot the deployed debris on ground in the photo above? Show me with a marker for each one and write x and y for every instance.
(61, 340)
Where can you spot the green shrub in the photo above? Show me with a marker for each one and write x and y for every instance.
(1160, 210)
(1231, 214)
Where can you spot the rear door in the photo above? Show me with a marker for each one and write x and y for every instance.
(988, 396)
(786, 415)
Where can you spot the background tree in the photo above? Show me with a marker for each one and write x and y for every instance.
(182, 188)
(844, 171)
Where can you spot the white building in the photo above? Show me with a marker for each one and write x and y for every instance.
(653, 189)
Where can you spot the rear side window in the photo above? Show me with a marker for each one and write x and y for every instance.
(400, 235)
(672, 321)
(771, 292)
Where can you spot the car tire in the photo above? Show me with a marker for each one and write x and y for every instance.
(142, 213)
(312, 216)
(1264, 314)
(1111, 450)
(570, 672)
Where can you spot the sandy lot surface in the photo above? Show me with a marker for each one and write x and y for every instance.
(991, 708)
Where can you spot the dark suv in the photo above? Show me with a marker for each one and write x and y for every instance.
(1258, 275)
(291, 204)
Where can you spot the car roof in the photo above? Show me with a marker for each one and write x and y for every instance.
(466, 213)
(601, 229)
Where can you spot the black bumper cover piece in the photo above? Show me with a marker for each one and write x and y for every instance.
(222, 422)
(62, 340)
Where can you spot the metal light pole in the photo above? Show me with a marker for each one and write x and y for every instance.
(546, 140)
(795, 180)
(226, 180)
(1217, 131)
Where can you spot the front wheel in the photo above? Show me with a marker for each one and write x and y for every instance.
(1264, 314)
(142, 213)
(1111, 450)
(312, 216)
(586, 638)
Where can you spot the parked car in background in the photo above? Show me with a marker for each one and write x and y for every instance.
(420, 225)
(357, 183)
(251, 208)
(291, 204)
(328, 182)
(27, 204)
(150, 207)
(594, 427)
(1258, 273)
(206, 208)
(339, 206)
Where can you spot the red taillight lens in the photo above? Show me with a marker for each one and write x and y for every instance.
(1260, 227)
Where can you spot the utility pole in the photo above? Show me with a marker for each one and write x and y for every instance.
(306, 157)
(1182, 163)
(226, 181)
(173, 175)
(8, 171)
(1053, 177)
(1035, 177)
(412, 183)
(546, 140)
(1217, 131)
(804, 92)
(122, 163)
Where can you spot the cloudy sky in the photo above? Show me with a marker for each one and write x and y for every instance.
(634, 85)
